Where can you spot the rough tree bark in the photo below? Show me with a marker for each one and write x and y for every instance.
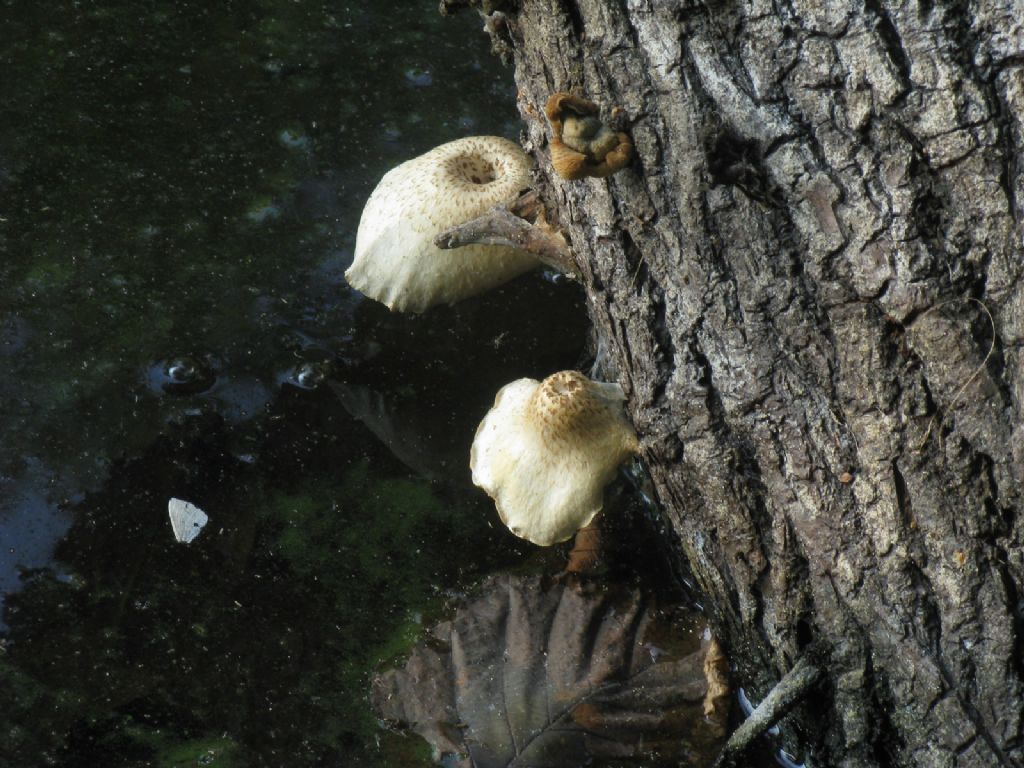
(811, 284)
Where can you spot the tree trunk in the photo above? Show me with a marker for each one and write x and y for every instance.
(810, 283)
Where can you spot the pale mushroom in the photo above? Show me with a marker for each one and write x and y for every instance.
(546, 450)
(396, 261)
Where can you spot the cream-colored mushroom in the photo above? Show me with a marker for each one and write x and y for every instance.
(396, 261)
(546, 450)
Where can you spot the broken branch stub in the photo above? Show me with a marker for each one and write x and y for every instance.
(501, 226)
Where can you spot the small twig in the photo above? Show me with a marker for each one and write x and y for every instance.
(788, 691)
(500, 226)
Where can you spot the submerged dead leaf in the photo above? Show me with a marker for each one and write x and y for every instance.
(533, 674)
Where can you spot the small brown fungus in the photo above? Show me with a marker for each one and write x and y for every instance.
(718, 697)
(581, 145)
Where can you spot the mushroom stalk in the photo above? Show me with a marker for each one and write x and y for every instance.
(587, 548)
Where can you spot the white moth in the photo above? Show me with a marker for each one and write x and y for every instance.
(187, 519)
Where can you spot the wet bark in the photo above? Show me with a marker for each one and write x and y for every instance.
(810, 284)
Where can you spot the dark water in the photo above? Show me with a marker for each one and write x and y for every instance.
(182, 182)
(180, 185)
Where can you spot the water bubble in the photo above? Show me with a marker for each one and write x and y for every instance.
(308, 375)
(181, 371)
(260, 214)
(182, 375)
(419, 77)
(554, 277)
(293, 138)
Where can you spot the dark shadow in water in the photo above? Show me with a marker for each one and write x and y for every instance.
(183, 181)
(424, 382)
(322, 557)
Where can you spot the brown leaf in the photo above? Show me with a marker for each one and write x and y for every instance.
(531, 673)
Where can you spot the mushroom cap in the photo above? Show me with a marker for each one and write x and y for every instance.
(546, 450)
(396, 261)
